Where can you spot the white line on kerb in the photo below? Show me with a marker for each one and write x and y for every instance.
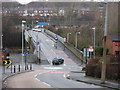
(35, 76)
(46, 84)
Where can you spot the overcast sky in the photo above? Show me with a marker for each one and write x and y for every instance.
(28, 1)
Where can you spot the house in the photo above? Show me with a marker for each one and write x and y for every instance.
(113, 44)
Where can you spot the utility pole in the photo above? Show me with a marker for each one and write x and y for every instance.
(76, 40)
(94, 41)
(103, 73)
(23, 22)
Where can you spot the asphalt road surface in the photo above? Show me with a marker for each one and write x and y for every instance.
(48, 75)
(57, 75)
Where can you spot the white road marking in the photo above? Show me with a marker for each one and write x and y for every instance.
(47, 84)
(53, 68)
(64, 65)
(64, 75)
(35, 76)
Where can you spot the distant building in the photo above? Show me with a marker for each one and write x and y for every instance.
(113, 44)
(45, 11)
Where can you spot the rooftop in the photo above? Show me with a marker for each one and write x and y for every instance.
(115, 37)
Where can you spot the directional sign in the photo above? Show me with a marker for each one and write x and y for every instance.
(91, 48)
(56, 37)
(7, 62)
(25, 53)
(37, 43)
(86, 52)
(64, 39)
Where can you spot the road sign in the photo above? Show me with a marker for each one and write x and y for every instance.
(56, 36)
(91, 48)
(64, 39)
(86, 52)
(25, 53)
(6, 62)
(37, 43)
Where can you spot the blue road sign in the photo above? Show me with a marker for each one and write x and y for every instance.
(37, 43)
(25, 53)
(56, 36)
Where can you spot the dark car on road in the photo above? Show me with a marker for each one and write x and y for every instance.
(57, 61)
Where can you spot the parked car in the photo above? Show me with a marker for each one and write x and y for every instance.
(57, 61)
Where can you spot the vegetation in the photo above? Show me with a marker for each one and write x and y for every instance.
(94, 68)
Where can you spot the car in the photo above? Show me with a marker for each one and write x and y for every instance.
(57, 61)
(37, 29)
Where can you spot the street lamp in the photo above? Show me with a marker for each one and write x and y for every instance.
(23, 39)
(68, 37)
(1, 42)
(76, 39)
(94, 42)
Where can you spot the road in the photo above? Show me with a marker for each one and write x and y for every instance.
(57, 75)
(48, 75)
(20, 81)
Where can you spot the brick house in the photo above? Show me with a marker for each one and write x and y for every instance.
(113, 44)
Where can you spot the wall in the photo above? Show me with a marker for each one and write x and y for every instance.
(72, 49)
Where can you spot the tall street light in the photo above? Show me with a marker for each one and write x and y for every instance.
(94, 42)
(76, 39)
(68, 37)
(1, 42)
(23, 22)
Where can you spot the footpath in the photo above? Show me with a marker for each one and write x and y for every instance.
(80, 77)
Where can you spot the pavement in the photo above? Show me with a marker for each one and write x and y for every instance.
(81, 77)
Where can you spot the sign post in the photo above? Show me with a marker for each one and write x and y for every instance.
(7, 62)
(25, 54)
(86, 55)
(38, 50)
(91, 49)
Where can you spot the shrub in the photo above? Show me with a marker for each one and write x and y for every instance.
(98, 71)
(112, 70)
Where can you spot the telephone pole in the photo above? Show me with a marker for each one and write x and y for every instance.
(103, 72)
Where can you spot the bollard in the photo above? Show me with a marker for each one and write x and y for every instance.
(3, 69)
(30, 66)
(27, 67)
(14, 69)
(11, 68)
(19, 68)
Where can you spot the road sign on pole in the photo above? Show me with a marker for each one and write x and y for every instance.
(86, 52)
(25, 54)
(91, 48)
(56, 37)
(7, 62)
(37, 43)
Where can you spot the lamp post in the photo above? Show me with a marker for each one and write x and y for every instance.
(94, 42)
(1, 42)
(76, 39)
(23, 39)
(68, 37)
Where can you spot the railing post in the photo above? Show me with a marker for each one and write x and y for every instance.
(14, 69)
(19, 68)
